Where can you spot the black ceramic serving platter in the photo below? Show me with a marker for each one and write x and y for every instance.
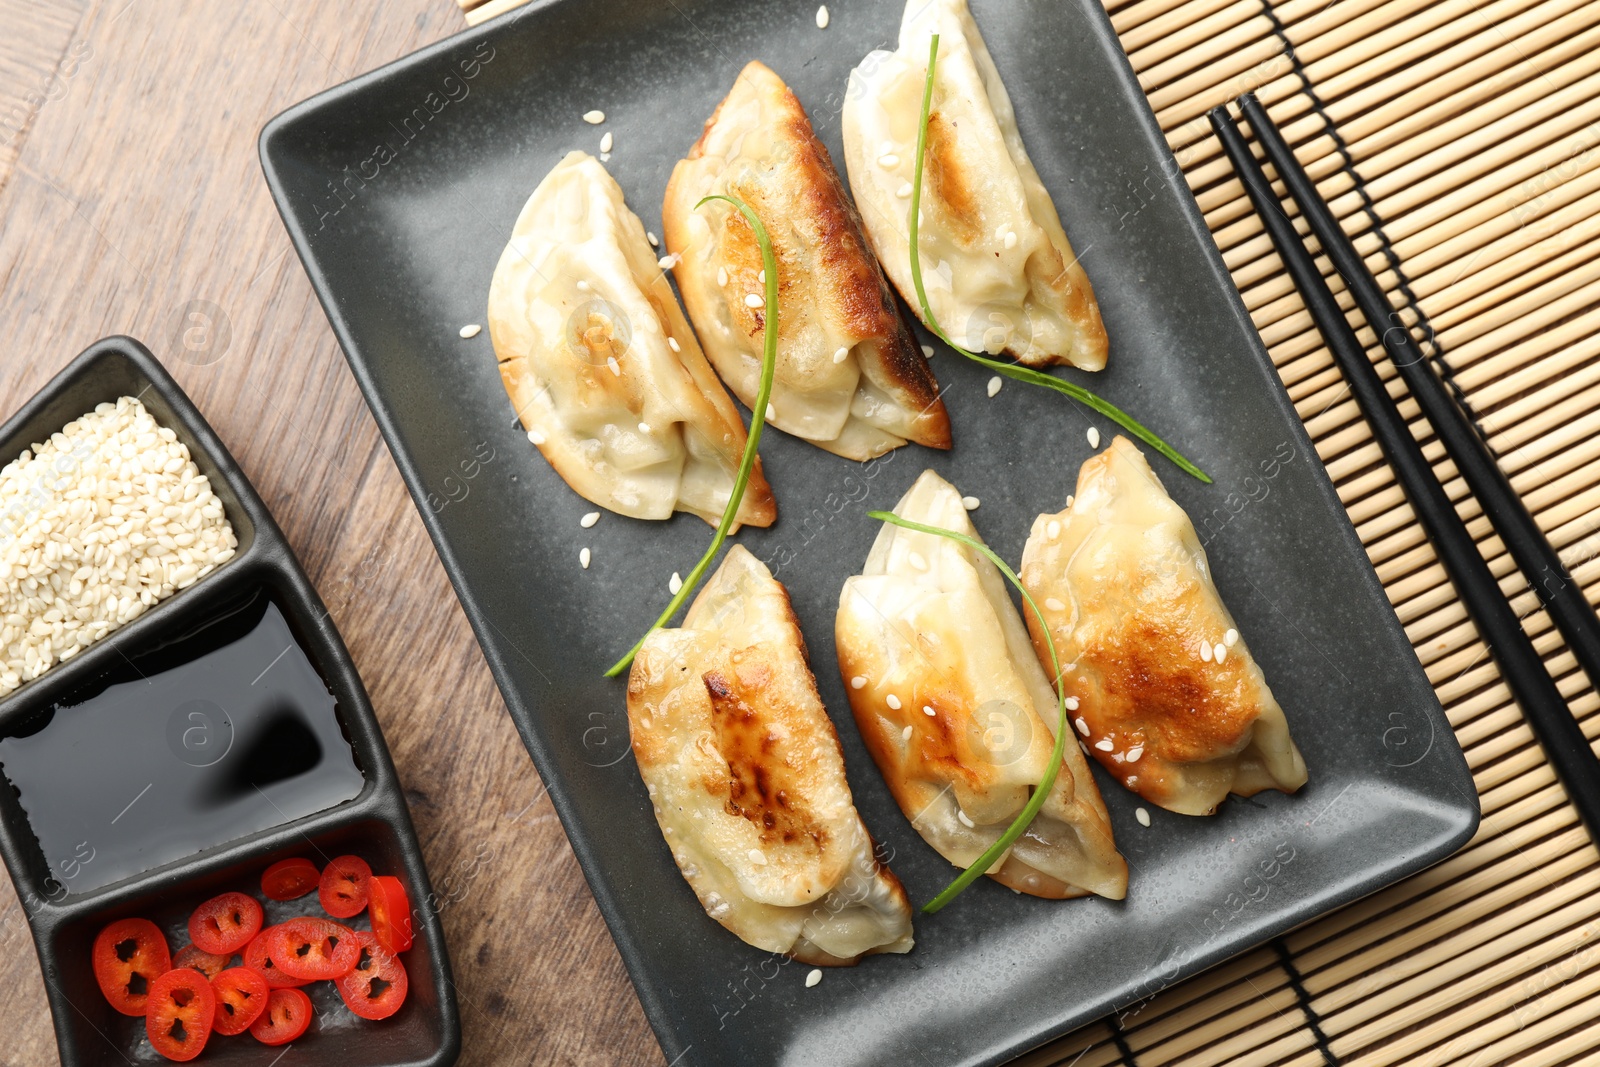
(373, 823)
(399, 190)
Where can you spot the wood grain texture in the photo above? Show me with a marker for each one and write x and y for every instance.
(131, 189)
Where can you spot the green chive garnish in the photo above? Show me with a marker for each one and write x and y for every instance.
(1019, 825)
(1012, 370)
(758, 419)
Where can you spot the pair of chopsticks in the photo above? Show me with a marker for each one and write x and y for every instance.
(1542, 704)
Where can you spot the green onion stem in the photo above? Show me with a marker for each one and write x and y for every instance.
(758, 419)
(1019, 825)
(1012, 370)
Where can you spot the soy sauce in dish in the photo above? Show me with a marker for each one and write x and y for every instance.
(223, 732)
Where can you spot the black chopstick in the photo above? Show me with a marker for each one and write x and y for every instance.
(1562, 597)
(1542, 704)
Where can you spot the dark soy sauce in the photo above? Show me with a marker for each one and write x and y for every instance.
(223, 732)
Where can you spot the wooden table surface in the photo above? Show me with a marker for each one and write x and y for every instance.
(129, 188)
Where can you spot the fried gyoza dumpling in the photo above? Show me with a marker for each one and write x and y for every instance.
(747, 778)
(600, 365)
(956, 712)
(1170, 700)
(850, 376)
(998, 270)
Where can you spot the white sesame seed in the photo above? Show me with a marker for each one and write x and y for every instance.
(905, 735)
(1205, 651)
(893, 701)
(1104, 744)
(672, 343)
(584, 556)
(1142, 815)
(888, 161)
(469, 332)
(1230, 638)
(966, 820)
(722, 275)
(761, 276)
(667, 262)
(904, 192)
(1134, 753)
(1052, 529)
(1053, 604)
(606, 141)
(927, 351)
(589, 520)
(1010, 240)
(1083, 727)
(675, 584)
(616, 368)
(1071, 702)
(594, 118)
(994, 385)
(757, 857)
(644, 427)
(772, 412)
(841, 355)
(927, 709)
(754, 300)
(917, 561)
(583, 285)
(1094, 437)
(655, 242)
(1219, 651)
(970, 503)
(536, 437)
(858, 682)
(822, 17)
(814, 976)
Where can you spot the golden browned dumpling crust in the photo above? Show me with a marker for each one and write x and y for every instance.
(956, 712)
(1000, 274)
(850, 375)
(747, 778)
(600, 364)
(1172, 702)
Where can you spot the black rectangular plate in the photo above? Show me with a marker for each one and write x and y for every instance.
(399, 190)
(376, 825)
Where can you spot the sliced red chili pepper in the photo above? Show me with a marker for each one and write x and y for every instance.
(390, 910)
(225, 924)
(182, 1006)
(258, 957)
(344, 887)
(207, 963)
(128, 956)
(289, 879)
(315, 949)
(286, 1018)
(241, 998)
(377, 987)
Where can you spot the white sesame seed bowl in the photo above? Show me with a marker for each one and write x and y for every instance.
(115, 488)
(112, 500)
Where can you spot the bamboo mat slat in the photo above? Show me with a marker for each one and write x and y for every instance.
(1458, 143)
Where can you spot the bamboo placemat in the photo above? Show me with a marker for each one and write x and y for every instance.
(1459, 143)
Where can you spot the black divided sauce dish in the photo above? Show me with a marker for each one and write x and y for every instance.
(182, 754)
